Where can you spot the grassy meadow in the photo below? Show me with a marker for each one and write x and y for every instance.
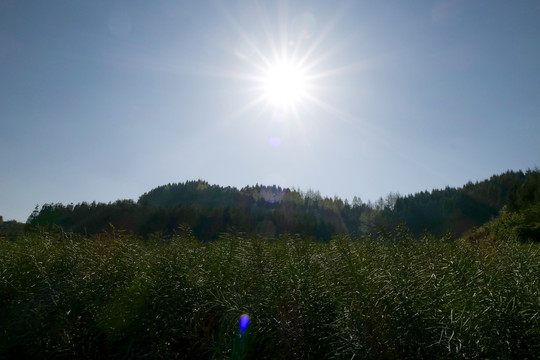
(112, 295)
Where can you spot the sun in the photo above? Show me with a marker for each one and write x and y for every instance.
(284, 65)
(284, 84)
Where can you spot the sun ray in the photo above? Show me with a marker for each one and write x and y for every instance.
(244, 34)
(322, 35)
(351, 68)
(267, 30)
(251, 105)
(284, 31)
(284, 65)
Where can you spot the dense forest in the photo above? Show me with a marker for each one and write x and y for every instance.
(211, 210)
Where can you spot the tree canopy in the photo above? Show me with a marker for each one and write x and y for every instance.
(210, 210)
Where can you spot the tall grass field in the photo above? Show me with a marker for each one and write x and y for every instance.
(117, 296)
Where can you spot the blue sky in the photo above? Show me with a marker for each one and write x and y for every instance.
(105, 100)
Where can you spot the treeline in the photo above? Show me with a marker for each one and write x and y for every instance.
(458, 210)
(210, 210)
(10, 229)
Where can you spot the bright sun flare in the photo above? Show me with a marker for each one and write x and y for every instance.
(288, 66)
(284, 84)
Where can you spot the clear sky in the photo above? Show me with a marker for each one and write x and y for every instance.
(105, 100)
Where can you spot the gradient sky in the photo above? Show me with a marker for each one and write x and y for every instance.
(105, 100)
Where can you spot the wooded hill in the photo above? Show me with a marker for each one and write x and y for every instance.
(210, 210)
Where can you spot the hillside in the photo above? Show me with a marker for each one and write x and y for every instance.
(210, 210)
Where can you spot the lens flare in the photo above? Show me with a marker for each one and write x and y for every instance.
(303, 26)
(244, 322)
(275, 141)
(245, 47)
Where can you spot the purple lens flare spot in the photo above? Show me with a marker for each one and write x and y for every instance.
(244, 322)
(275, 141)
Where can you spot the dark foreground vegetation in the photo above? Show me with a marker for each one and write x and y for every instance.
(64, 295)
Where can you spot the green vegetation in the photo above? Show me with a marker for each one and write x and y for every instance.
(11, 229)
(141, 279)
(64, 295)
(523, 225)
(271, 211)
